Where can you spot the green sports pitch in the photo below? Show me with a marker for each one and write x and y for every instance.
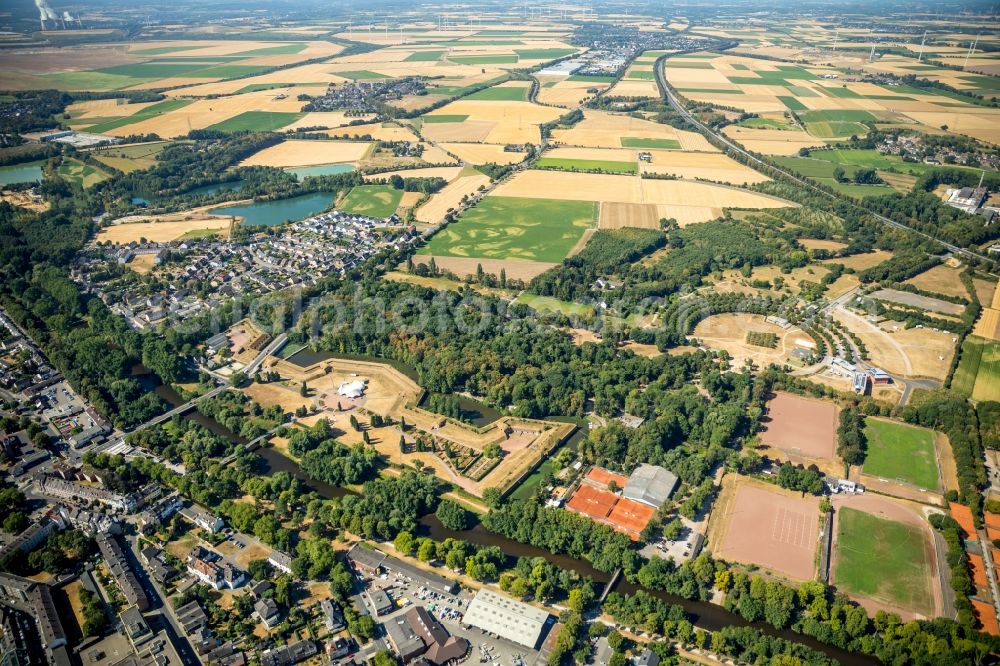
(884, 560)
(516, 228)
(901, 452)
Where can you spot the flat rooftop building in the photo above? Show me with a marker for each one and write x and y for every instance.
(650, 484)
(507, 618)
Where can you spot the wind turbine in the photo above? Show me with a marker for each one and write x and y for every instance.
(972, 49)
(922, 40)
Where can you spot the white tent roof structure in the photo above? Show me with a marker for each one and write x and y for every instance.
(353, 389)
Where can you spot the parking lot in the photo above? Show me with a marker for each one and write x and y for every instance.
(449, 610)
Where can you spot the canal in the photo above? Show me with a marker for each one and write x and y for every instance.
(703, 614)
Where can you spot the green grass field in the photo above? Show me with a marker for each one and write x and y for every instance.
(637, 142)
(356, 74)
(484, 60)
(148, 112)
(792, 103)
(584, 78)
(765, 123)
(837, 115)
(821, 170)
(445, 118)
(978, 372)
(257, 121)
(502, 93)
(690, 64)
(639, 74)
(883, 559)
(829, 129)
(284, 49)
(424, 56)
(543, 54)
(840, 93)
(516, 228)
(900, 451)
(610, 166)
(372, 200)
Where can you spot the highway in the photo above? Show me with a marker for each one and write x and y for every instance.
(735, 149)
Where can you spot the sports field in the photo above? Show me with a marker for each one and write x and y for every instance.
(900, 451)
(372, 200)
(883, 559)
(516, 228)
(801, 426)
(607, 166)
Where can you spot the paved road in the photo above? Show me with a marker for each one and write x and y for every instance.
(160, 608)
(733, 148)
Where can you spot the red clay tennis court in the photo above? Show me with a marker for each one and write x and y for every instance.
(987, 617)
(592, 501)
(630, 517)
(963, 516)
(603, 477)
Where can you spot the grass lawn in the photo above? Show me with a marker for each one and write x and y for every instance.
(837, 115)
(424, 56)
(639, 74)
(792, 103)
(516, 228)
(257, 121)
(502, 93)
(484, 60)
(610, 166)
(840, 93)
(821, 170)
(900, 451)
(978, 372)
(354, 75)
(882, 559)
(637, 142)
(547, 303)
(444, 118)
(148, 112)
(372, 200)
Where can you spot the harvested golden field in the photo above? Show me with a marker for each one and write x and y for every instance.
(729, 331)
(516, 269)
(436, 155)
(915, 352)
(941, 279)
(705, 166)
(162, 231)
(105, 108)
(983, 124)
(204, 112)
(440, 203)
(772, 142)
(478, 153)
(988, 325)
(473, 131)
(618, 215)
(679, 195)
(297, 153)
(635, 88)
(331, 119)
(377, 131)
(860, 262)
(821, 244)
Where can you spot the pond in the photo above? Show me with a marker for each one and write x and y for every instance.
(320, 170)
(30, 172)
(270, 213)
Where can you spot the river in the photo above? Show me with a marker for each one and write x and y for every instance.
(703, 614)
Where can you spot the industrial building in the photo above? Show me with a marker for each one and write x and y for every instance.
(507, 618)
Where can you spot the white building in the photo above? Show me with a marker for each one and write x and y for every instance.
(354, 389)
(507, 618)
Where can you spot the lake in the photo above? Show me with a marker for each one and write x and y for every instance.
(30, 172)
(321, 170)
(270, 213)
